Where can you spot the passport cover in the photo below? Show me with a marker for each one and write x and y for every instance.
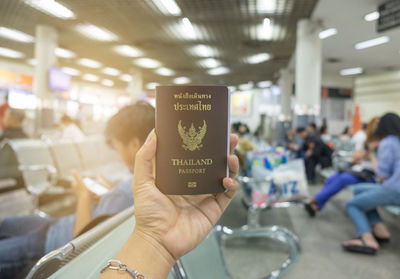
(192, 139)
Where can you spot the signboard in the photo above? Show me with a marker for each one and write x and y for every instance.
(58, 80)
(389, 15)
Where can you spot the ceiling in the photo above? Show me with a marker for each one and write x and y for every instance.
(348, 18)
(226, 25)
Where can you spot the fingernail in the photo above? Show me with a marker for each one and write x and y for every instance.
(149, 137)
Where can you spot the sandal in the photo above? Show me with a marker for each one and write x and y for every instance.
(382, 240)
(363, 249)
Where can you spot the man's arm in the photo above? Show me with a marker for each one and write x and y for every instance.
(83, 208)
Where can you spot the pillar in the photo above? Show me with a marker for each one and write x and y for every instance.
(135, 86)
(45, 45)
(308, 71)
(285, 83)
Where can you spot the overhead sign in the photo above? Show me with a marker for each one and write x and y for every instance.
(389, 15)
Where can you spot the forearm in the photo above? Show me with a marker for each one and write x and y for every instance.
(83, 213)
(144, 255)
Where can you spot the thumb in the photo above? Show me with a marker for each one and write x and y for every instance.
(143, 171)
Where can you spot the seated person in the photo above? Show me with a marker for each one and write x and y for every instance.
(364, 164)
(25, 239)
(315, 152)
(362, 209)
(13, 121)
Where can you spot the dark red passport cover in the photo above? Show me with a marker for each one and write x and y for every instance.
(192, 125)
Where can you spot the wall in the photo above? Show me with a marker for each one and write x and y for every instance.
(377, 94)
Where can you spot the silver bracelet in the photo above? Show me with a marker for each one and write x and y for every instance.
(117, 265)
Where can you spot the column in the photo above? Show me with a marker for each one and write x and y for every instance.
(45, 45)
(285, 83)
(135, 87)
(308, 71)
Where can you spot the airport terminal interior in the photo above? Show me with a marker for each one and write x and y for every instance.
(313, 103)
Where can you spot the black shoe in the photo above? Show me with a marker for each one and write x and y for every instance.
(382, 240)
(310, 210)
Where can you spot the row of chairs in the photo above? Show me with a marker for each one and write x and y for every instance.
(45, 167)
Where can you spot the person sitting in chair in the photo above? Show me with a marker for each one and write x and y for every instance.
(25, 239)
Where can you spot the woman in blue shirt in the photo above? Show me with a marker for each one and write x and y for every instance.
(362, 209)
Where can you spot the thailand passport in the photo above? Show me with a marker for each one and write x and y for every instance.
(192, 139)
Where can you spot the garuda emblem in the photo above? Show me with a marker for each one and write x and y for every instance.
(192, 138)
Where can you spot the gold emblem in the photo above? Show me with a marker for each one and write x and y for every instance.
(192, 184)
(192, 138)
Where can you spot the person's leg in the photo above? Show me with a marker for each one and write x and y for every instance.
(19, 252)
(333, 185)
(19, 225)
(310, 169)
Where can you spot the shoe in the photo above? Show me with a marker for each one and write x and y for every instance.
(363, 249)
(382, 240)
(310, 210)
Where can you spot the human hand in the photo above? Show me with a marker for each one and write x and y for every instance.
(174, 224)
(78, 186)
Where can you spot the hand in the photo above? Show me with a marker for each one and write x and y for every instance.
(106, 183)
(78, 186)
(176, 224)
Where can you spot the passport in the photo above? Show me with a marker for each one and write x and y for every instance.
(192, 128)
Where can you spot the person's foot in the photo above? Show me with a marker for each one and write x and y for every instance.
(381, 233)
(366, 244)
(311, 208)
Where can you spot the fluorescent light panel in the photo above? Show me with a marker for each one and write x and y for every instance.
(266, 6)
(15, 35)
(351, 71)
(6, 52)
(168, 7)
(203, 51)
(126, 78)
(372, 42)
(187, 30)
(71, 71)
(182, 80)
(209, 63)
(218, 71)
(327, 33)
(165, 72)
(89, 63)
(96, 33)
(90, 77)
(52, 8)
(152, 85)
(129, 51)
(64, 53)
(147, 63)
(371, 16)
(107, 82)
(111, 71)
(258, 58)
(264, 84)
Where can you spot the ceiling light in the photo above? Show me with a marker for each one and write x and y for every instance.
(89, 63)
(129, 51)
(96, 33)
(327, 33)
(32, 61)
(165, 72)
(168, 7)
(218, 71)
(187, 29)
(107, 82)
(90, 77)
(152, 85)
(266, 6)
(371, 16)
(264, 84)
(209, 63)
(147, 63)
(71, 71)
(52, 8)
(64, 53)
(265, 30)
(351, 71)
(371, 43)
(126, 78)
(10, 53)
(246, 86)
(15, 35)
(111, 71)
(203, 51)
(258, 58)
(182, 80)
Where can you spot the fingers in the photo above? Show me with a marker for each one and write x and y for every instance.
(77, 177)
(230, 183)
(143, 171)
(233, 142)
(233, 165)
